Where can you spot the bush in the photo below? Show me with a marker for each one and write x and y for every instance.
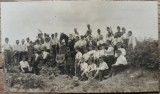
(145, 55)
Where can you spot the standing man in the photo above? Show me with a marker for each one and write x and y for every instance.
(119, 33)
(89, 31)
(132, 40)
(24, 49)
(7, 52)
(17, 50)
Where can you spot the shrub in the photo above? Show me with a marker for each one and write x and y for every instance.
(145, 55)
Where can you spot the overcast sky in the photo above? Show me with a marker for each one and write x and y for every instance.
(22, 19)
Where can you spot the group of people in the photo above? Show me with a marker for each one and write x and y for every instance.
(77, 55)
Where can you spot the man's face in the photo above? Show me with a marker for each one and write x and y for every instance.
(118, 54)
(17, 42)
(100, 60)
(129, 34)
(56, 35)
(23, 42)
(28, 40)
(6, 40)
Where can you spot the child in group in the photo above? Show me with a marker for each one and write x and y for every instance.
(121, 63)
(24, 66)
(96, 55)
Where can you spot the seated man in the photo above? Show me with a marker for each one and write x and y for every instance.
(121, 62)
(102, 70)
(24, 66)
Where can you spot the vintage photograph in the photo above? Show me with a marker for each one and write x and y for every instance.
(80, 46)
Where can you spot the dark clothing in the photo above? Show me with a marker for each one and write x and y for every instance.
(7, 58)
(110, 60)
(102, 73)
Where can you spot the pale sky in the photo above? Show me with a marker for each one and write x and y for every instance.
(22, 19)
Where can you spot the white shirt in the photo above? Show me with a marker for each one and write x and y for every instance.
(86, 56)
(132, 40)
(116, 40)
(80, 43)
(23, 48)
(16, 47)
(102, 52)
(7, 47)
(38, 46)
(123, 52)
(45, 54)
(125, 36)
(84, 66)
(111, 38)
(47, 45)
(92, 67)
(24, 64)
(96, 54)
(27, 44)
(102, 66)
(110, 50)
(54, 41)
(121, 60)
(100, 42)
(79, 55)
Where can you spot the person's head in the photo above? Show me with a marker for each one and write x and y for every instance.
(119, 44)
(129, 33)
(23, 41)
(75, 30)
(118, 52)
(90, 37)
(56, 35)
(6, 40)
(17, 42)
(109, 42)
(82, 59)
(46, 40)
(52, 36)
(77, 38)
(77, 49)
(98, 31)
(28, 39)
(118, 28)
(90, 48)
(82, 37)
(108, 29)
(37, 41)
(88, 26)
(101, 59)
(30, 43)
(123, 30)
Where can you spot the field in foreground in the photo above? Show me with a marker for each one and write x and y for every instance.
(130, 80)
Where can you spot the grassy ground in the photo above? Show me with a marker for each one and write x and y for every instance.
(130, 80)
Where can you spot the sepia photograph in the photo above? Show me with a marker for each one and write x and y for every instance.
(80, 46)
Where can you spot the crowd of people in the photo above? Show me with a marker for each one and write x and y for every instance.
(77, 55)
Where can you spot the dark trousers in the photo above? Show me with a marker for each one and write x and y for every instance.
(110, 60)
(102, 73)
(61, 68)
(17, 56)
(7, 58)
(55, 49)
(69, 70)
(23, 54)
